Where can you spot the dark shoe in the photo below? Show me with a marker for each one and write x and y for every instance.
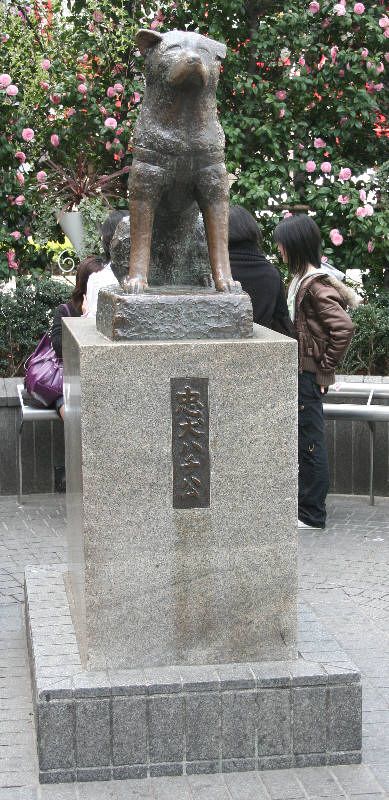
(59, 479)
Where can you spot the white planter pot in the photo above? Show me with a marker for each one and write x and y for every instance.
(71, 224)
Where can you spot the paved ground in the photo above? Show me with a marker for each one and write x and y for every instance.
(344, 575)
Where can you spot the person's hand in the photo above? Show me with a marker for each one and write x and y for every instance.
(84, 307)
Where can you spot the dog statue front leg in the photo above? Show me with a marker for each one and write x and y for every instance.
(216, 225)
(141, 219)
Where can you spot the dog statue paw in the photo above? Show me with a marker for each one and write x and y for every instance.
(135, 285)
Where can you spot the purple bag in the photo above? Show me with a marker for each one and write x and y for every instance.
(44, 371)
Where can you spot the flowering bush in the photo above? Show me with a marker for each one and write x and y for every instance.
(68, 126)
(301, 102)
(300, 99)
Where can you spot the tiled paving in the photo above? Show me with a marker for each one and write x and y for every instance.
(344, 576)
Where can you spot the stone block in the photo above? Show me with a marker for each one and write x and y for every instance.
(236, 676)
(170, 768)
(345, 718)
(56, 735)
(203, 727)
(271, 673)
(93, 733)
(309, 719)
(238, 725)
(156, 585)
(273, 722)
(202, 767)
(200, 679)
(172, 312)
(129, 730)
(94, 774)
(165, 680)
(166, 729)
(127, 681)
(133, 773)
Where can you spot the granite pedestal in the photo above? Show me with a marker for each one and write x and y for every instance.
(169, 645)
(156, 585)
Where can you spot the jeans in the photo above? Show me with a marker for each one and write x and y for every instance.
(312, 453)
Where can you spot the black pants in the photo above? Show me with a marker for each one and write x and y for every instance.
(312, 453)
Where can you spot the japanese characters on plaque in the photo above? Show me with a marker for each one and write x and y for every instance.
(190, 442)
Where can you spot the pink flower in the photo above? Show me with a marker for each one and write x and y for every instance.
(336, 237)
(12, 90)
(111, 91)
(345, 174)
(82, 88)
(111, 123)
(55, 98)
(362, 195)
(43, 187)
(380, 68)
(136, 97)
(334, 53)
(326, 167)
(119, 88)
(370, 246)
(369, 210)
(287, 214)
(340, 11)
(19, 200)
(378, 87)
(5, 80)
(281, 113)
(20, 156)
(281, 94)
(54, 139)
(45, 63)
(302, 61)
(314, 7)
(44, 85)
(12, 263)
(28, 134)
(98, 16)
(364, 52)
(360, 212)
(341, 73)
(383, 23)
(81, 77)
(16, 234)
(343, 199)
(359, 8)
(318, 143)
(20, 178)
(84, 58)
(310, 166)
(386, 33)
(108, 145)
(70, 112)
(41, 176)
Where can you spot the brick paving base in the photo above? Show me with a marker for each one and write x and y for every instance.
(344, 577)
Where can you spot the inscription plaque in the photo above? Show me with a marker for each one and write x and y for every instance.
(190, 442)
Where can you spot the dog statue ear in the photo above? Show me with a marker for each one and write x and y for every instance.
(221, 50)
(145, 40)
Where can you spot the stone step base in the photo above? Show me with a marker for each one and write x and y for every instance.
(184, 720)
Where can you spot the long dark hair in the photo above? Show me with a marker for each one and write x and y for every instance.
(84, 270)
(243, 227)
(300, 237)
(108, 229)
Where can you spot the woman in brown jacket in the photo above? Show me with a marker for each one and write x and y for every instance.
(317, 306)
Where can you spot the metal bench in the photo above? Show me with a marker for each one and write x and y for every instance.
(368, 413)
(30, 414)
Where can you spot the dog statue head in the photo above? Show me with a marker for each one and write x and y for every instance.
(181, 58)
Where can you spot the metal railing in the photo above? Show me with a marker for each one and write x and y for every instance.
(366, 412)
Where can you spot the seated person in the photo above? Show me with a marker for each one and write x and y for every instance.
(75, 307)
(105, 277)
(258, 277)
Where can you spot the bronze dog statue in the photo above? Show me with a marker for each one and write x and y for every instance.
(179, 151)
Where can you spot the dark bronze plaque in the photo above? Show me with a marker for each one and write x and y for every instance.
(190, 442)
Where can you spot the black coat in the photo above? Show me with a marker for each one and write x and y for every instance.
(56, 329)
(263, 282)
